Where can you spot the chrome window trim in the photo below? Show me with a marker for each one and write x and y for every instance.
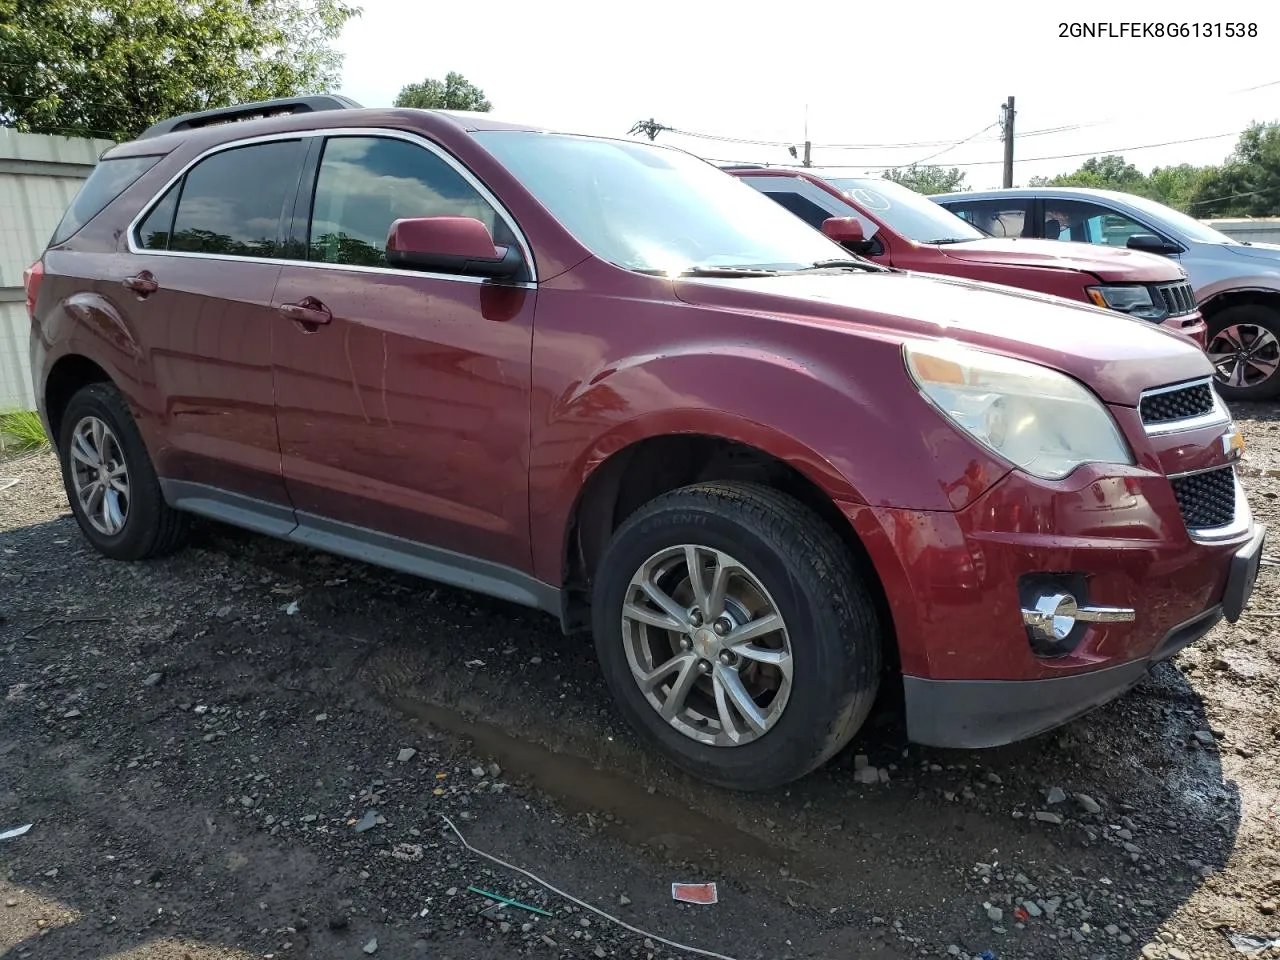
(305, 135)
(1218, 415)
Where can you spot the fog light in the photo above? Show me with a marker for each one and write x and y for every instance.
(1053, 615)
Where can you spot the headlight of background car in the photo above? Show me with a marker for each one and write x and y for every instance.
(1038, 419)
(1133, 299)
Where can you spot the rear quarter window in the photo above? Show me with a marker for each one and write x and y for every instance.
(109, 179)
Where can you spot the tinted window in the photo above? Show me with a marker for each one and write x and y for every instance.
(109, 179)
(231, 202)
(802, 207)
(154, 231)
(367, 183)
(999, 218)
(1088, 223)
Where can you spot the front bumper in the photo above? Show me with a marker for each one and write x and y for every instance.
(951, 582)
(1191, 326)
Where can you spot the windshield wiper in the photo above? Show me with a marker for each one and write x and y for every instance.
(839, 263)
(951, 240)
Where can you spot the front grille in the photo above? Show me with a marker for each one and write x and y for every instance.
(1182, 403)
(1178, 297)
(1206, 499)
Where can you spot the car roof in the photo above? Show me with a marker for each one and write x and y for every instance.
(245, 121)
(1061, 193)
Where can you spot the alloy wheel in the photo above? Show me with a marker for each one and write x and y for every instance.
(707, 645)
(1244, 355)
(99, 476)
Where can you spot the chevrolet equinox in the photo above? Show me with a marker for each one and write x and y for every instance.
(605, 379)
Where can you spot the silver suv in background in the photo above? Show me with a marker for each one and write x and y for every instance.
(1236, 283)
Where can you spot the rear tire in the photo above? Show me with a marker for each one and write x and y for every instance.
(1244, 347)
(110, 481)
(745, 714)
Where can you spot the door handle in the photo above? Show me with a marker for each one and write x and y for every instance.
(309, 312)
(143, 284)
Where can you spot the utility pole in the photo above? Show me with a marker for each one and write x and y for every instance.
(807, 144)
(650, 128)
(1008, 110)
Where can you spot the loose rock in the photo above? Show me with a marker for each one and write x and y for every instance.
(1088, 804)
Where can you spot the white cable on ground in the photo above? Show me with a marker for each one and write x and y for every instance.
(586, 906)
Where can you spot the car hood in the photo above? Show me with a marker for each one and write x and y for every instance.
(1118, 357)
(1256, 251)
(1112, 264)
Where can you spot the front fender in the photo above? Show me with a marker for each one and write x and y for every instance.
(850, 421)
(1260, 283)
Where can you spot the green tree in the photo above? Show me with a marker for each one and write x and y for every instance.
(455, 92)
(1175, 186)
(109, 68)
(1109, 172)
(1248, 184)
(928, 180)
(1169, 185)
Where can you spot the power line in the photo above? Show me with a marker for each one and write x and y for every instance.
(920, 144)
(1234, 196)
(954, 145)
(1059, 156)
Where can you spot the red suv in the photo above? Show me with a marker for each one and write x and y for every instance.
(896, 226)
(605, 379)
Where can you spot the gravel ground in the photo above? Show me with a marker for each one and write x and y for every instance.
(249, 750)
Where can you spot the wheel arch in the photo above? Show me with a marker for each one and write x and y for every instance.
(655, 464)
(69, 374)
(1220, 300)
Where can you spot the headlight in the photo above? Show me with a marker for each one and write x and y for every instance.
(1039, 420)
(1133, 299)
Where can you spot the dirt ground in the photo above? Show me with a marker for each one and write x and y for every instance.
(200, 742)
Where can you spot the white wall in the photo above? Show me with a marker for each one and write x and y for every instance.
(39, 176)
(1256, 231)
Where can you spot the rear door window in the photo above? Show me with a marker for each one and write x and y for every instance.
(999, 218)
(108, 180)
(154, 231)
(233, 202)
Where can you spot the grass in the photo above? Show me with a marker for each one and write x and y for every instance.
(20, 431)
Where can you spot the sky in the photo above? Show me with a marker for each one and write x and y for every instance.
(865, 75)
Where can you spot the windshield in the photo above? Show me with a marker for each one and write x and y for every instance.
(911, 214)
(1171, 219)
(655, 209)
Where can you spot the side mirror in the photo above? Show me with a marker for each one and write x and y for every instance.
(450, 245)
(843, 229)
(1150, 243)
(847, 231)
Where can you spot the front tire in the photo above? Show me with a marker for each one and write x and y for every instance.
(110, 481)
(1244, 348)
(758, 666)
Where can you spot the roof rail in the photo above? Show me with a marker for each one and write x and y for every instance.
(249, 111)
(743, 166)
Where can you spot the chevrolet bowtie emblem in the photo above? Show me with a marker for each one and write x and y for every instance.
(1233, 444)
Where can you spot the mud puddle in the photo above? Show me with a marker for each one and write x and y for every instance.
(640, 818)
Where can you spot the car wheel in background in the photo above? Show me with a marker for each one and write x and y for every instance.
(1244, 347)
